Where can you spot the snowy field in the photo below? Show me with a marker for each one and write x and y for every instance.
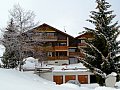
(15, 80)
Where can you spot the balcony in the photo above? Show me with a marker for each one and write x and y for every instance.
(82, 45)
(44, 38)
(74, 54)
(58, 58)
(50, 38)
(50, 58)
(73, 45)
(49, 48)
(61, 58)
(61, 48)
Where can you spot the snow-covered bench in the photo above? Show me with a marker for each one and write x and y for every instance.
(111, 80)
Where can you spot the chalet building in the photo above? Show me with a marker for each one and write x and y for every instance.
(61, 47)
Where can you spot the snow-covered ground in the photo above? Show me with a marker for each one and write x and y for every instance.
(15, 80)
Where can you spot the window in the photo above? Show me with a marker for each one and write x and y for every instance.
(50, 34)
(61, 53)
(62, 44)
(72, 50)
(50, 54)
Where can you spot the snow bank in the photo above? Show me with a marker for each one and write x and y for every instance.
(30, 63)
(15, 80)
(112, 74)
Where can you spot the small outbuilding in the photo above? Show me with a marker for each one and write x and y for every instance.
(62, 74)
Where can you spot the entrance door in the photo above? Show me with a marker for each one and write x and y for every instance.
(70, 77)
(83, 79)
(58, 79)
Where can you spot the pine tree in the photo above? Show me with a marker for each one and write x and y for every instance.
(102, 58)
(9, 41)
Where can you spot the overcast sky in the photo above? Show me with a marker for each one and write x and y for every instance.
(68, 14)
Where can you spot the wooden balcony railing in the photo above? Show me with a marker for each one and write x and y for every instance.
(61, 58)
(49, 48)
(59, 48)
(51, 37)
(44, 38)
(74, 54)
(50, 58)
(82, 45)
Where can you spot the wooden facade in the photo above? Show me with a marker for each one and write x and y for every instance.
(61, 48)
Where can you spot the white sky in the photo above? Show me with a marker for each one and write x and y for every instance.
(70, 14)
